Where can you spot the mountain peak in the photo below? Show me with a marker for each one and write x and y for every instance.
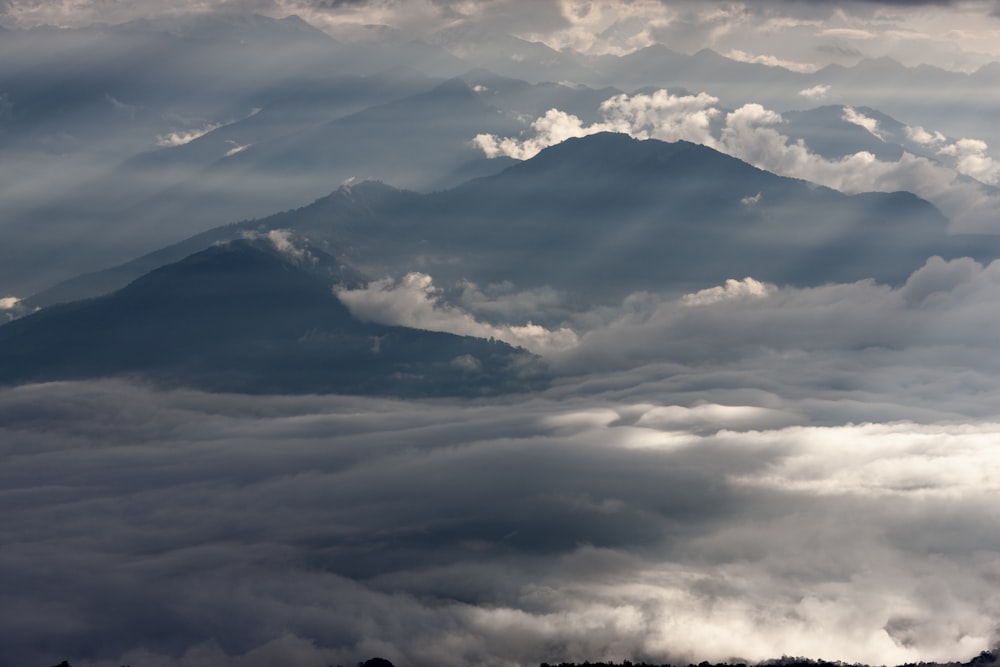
(616, 154)
(243, 316)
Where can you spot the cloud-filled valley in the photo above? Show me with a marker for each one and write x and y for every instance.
(743, 472)
(498, 333)
(180, 528)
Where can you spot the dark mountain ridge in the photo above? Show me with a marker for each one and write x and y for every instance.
(242, 317)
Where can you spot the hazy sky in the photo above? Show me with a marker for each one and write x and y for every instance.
(804, 34)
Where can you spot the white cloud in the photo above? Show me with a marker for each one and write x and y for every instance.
(879, 460)
(657, 116)
(848, 33)
(816, 92)
(181, 137)
(236, 148)
(971, 159)
(923, 137)
(748, 288)
(771, 61)
(606, 26)
(552, 128)
(662, 116)
(414, 301)
(283, 243)
(851, 115)
(11, 308)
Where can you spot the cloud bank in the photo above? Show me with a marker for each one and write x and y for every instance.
(739, 473)
(188, 529)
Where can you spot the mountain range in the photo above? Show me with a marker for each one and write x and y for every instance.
(595, 219)
(116, 151)
(604, 215)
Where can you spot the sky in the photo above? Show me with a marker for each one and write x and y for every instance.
(732, 471)
(800, 34)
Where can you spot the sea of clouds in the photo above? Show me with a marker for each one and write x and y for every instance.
(743, 472)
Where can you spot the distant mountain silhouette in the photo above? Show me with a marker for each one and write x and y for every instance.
(606, 215)
(611, 212)
(242, 317)
(982, 660)
(309, 136)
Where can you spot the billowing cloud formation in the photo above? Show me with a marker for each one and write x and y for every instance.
(922, 136)
(971, 159)
(733, 289)
(943, 308)
(189, 529)
(743, 472)
(414, 301)
(659, 115)
(752, 133)
(552, 128)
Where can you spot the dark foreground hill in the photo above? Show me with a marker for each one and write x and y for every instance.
(243, 317)
(984, 659)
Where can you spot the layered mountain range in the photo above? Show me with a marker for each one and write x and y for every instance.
(252, 306)
(115, 150)
(242, 128)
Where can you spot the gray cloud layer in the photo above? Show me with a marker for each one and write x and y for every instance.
(749, 472)
(168, 529)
